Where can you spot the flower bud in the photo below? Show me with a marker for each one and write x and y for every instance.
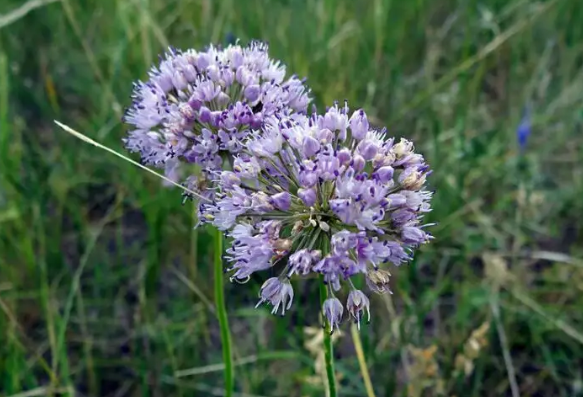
(281, 201)
(385, 159)
(310, 146)
(358, 162)
(308, 196)
(344, 156)
(384, 174)
(195, 102)
(368, 149)
(228, 77)
(179, 81)
(252, 92)
(359, 125)
(222, 99)
(336, 121)
(213, 72)
(396, 200)
(204, 114)
(203, 61)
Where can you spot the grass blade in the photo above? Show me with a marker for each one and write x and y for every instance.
(276, 355)
(21, 11)
(86, 139)
(470, 62)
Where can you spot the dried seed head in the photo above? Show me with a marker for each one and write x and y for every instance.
(282, 244)
(378, 280)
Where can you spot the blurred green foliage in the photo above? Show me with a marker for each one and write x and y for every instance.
(106, 288)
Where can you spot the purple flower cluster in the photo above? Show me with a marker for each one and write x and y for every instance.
(322, 195)
(331, 183)
(197, 106)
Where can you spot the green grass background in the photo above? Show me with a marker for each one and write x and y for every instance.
(106, 288)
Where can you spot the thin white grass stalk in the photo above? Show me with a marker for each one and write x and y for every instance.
(86, 139)
(557, 322)
(21, 11)
(511, 372)
(361, 360)
(194, 289)
(207, 369)
(44, 391)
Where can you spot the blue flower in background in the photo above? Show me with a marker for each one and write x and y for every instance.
(524, 128)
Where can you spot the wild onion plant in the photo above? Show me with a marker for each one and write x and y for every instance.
(323, 194)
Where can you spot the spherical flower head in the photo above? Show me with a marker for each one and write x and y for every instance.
(329, 185)
(197, 106)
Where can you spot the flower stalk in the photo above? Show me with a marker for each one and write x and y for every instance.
(328, 346)
(328, 329)
(222, 314)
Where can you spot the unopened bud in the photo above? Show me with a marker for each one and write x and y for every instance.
(324, 226)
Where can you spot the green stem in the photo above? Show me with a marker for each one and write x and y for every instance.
(328, 347)
(222, 314)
